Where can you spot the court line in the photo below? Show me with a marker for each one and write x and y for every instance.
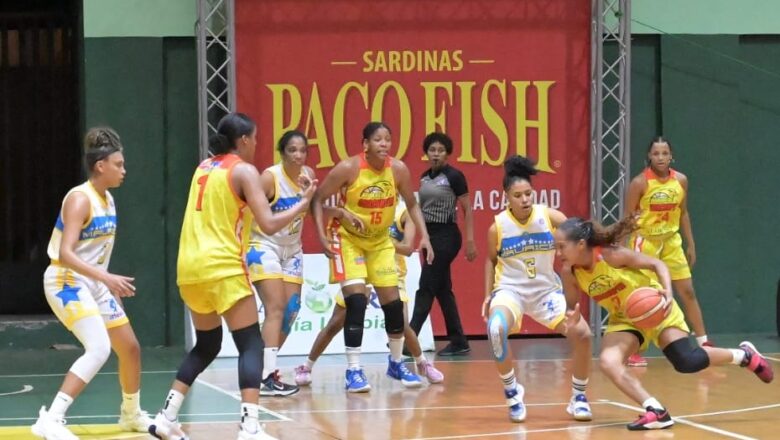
(25, 389)
(116, 416)
(521, 431)
(413, 408)
(733, 411)
(681, 420)
(772, 358)
(237, 397)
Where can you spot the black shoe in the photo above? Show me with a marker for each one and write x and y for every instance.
(453, 350)
(272, 386)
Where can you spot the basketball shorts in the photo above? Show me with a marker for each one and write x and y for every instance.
(270, 261)
(73, 296)
(353, 260)
(548, 309)
(675, 319)
(669, 250)
(217, 296)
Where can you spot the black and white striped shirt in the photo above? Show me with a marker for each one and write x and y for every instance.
(439, 192)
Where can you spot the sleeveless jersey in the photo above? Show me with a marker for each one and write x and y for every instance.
(96, 239)
(660, 205)
(526, 253)
(287, 194)
(371, 198)
(610, 287)
(213, 234)
(397, 234)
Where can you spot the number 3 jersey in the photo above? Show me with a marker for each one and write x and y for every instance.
(526, 253)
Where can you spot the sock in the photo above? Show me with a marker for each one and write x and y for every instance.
(353, 358)
(269, 360)
(249, 412)
(738, 356)
(510, 383)
(578, 386)
(701, 339)
(309, 363)
(60, 405)
(420, 359)
(131, 403)
(652, 403)
(172, 404)
(396, 349)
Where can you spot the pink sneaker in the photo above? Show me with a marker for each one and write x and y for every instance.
(756, 363)
(302, 375)
(636, 360)
(426, 368)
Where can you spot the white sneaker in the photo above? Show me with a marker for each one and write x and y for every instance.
(165, 429)
(579, 408)
(259, 433)
(135, 422)
(50, 427)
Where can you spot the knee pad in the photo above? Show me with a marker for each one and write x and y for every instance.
(250, 345)
(686, 358)
(353, 322)
(207, 346)
(498, 332)
(394, 317)
(91, 332)
(291, 312)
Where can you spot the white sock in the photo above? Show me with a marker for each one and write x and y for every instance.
(396, 349)
(309, 363)
(172, 404)
(269, 360)
(510, 382)
(420, 359)
(652, 403)
(701, 339)
(737, 356)
(353, 358)
(249, 412)
(60, 405)
(131, 403)
(578, 386)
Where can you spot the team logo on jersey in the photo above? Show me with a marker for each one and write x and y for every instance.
(379, 195)
(603, 287)
(663, 199)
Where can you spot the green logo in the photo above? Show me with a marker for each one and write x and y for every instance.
(316, 298)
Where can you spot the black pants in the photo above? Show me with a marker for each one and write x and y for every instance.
(436, 282)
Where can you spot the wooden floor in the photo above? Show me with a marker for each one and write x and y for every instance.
(723, 402)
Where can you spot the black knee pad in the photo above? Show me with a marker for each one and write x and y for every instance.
(394, 317)
(250, 345)
(207, 346)
(353, 323)
(685, 358)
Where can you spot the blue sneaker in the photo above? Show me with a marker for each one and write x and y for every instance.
(356, 382)
(579, 408)
(516, 405)
(398, 371)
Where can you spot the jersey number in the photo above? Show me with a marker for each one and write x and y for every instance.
(376, 217)
(530, 267)
(202, 183)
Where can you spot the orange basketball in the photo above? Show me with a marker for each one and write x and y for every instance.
(645, 307)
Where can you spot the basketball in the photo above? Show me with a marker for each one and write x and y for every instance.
(645, 307)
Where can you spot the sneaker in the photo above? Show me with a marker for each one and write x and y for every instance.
(426, 368)
(652, 419)
(398, 371)
(302, 375)
(50, 427)
(579, 408)
(134, 422)
(636, 360)
(259, 433)
(516, 405)
(272, 386)
(165, 429)
(756, 362)
(454, 350)
(356, 382)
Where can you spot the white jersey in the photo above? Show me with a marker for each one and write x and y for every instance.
(526, 253)
(96, 239)
(287, 194)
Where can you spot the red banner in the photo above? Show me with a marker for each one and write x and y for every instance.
(502, 77)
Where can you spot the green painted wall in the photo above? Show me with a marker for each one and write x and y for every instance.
(705, 16)
(140, 18)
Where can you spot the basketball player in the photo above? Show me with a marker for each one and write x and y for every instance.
(362, 252)
(609, 274)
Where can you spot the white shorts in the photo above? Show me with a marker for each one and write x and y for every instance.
(269, 261)
(73, 296)
(547, 309)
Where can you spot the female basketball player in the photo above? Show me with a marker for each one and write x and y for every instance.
(659, 196)
(212, 276)
(362, 252)
(402, 233)
(520, 280)
(85, 296)
(609, 273)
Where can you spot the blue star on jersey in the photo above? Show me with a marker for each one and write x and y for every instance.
(68, 294)
(254, 256)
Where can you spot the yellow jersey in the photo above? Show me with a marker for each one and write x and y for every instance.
(371, 198)
(216, 225)
(660, 205)
(610, 287)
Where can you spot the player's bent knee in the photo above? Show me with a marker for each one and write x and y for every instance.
(394, 317)
(250, 345)
(498, 332)
(686, 358)
(206, 349)
(291, 312)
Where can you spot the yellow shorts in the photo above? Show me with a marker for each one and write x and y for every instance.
(675, 319)
(215, 296)
(669, 250)
(401, 294)
(375, 265)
